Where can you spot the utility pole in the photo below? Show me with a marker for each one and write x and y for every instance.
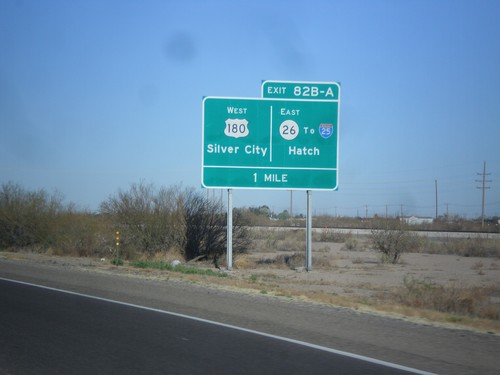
(291, 204)
(436, 183)
(483, 187)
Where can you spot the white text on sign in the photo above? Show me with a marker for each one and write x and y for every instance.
(303, 151)
(313, 91)
(272, 177)
(214, 148)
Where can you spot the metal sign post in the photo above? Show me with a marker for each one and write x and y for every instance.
(229, 230)
(309, 231)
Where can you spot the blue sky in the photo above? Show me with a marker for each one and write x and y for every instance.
(96, 95)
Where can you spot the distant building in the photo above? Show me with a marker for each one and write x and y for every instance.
(415, 220)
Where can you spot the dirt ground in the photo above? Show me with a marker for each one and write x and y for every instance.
(361, 272)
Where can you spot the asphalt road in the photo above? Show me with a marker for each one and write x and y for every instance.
(425, 347)
(45, 331)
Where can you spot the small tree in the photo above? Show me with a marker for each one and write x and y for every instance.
(284, 215)
(152, 219)
(392, 238)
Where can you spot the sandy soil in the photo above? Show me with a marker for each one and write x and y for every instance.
(345, 272)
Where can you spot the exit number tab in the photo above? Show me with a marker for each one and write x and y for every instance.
(301, 90)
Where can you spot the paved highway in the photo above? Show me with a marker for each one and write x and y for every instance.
(48, 331)
(421, 346)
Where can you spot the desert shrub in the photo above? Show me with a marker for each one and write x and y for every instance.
(391, 238)
(205, 226)
(331, 235)
(151, 219)
(473, 247)
(295, 260)
(285, 260)
(322, 262)
(27, 218)
(290, 244)
(453, 298)
(243, 261)
(82, 234)
(38, 221)
(351, 244)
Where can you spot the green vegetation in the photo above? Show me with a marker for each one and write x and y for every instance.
(166, 266)
(117, 261)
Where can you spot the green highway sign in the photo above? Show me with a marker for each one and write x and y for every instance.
(264, 143)
(301, 90)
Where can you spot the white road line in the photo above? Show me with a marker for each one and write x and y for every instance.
(298, 342)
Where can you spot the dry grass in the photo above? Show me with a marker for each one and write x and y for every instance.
(243, 262)
(470, 247)
(454, 298)
(331, 235)
(170, 255)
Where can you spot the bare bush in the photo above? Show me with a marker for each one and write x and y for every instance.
(391, 238)
(82, 234)
(205, 226)
(151, 220)
(351, 244)
(27, 217)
